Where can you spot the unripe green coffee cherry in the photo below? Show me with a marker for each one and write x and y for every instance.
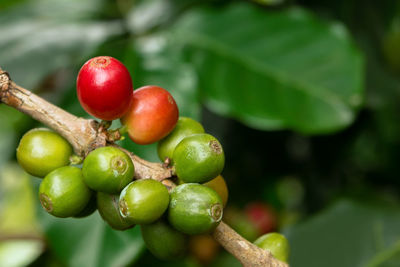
(108, 169)
(164, 241)
(184, 127)
(198, 158)
(194, 209)
(143, 201)
(41, 151)
(276, 243)
(107, 204)
(63, 193)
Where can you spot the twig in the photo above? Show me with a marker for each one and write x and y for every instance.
(85, 135)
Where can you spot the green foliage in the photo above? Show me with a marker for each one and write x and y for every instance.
(18, 217)
(285, 71)
(90, 241)
(368, 236)
(43, 36)
(275, 70)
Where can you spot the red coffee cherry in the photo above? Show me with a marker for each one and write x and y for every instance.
(262, 216)
(152, 115)
(104, 88)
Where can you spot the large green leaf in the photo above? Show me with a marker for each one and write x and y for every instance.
(274, 69)
(40, 37)
(348, 234)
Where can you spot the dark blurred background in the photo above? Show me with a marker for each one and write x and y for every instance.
(303, 95)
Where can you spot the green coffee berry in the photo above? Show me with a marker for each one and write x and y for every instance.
(108, 169)
(195, 209)
(41, 151)
(276, 243)
(143, 201)
(164, 241)
(107, 204)
(198, 158)
(63, 193)
(184, 127)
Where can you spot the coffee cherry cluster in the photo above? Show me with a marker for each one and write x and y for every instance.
(105, 180)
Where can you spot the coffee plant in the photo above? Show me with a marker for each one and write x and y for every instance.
(126, 197)
(199, 133)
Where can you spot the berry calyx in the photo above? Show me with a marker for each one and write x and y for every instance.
(198, 158)
(276, 243)
(152, 115)
(184, 127)
(41, 151)
(63, 193)
(108, 169)
(104, 88)
(195, 209)
(143, 201)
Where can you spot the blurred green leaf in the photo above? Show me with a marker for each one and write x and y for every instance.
(60, 10)
(348, 234)
(20, 239)
(274, 70)
(149, 14)
(43, 36)
(90, 242)
(8, 3)
(12, 123)
(17, 253)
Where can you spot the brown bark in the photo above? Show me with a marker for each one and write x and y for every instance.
(85, 135)
(247, 253)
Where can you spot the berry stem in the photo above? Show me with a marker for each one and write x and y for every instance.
(105, 124)
(75, 159)
(123, 129)
(86, 135)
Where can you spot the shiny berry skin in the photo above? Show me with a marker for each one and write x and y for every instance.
(108, 169)
(164, 241)
(143, 201)
(63, 193)
(184, 127)
(276, 243)
(104, 88)
(41, 151)
(152, 115)
(194, 209)
(198, 158)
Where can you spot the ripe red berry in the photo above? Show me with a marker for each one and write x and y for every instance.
(262, 216)
(104, 88)
(152, 115)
